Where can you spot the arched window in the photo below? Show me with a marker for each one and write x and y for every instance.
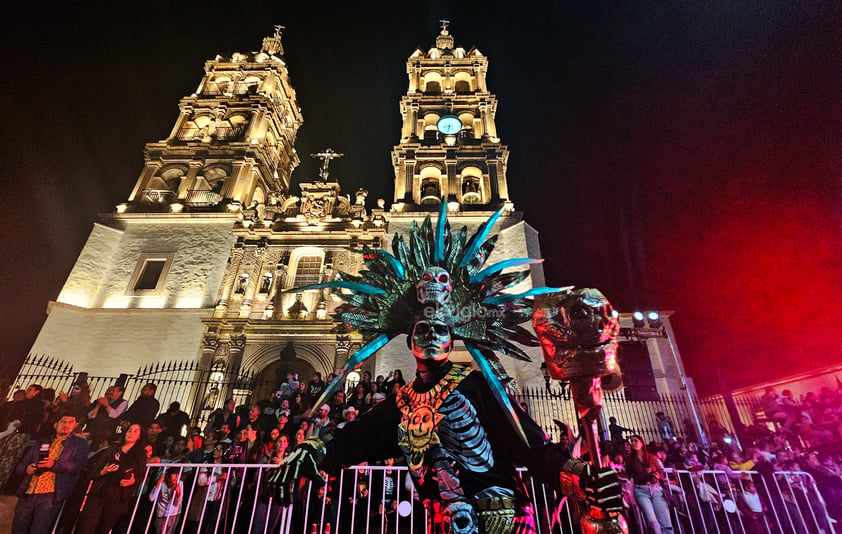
(251, 85)
(470, 191)
(172, 177)
(431, 185)
(432, 82)
(430, 128)
(462, 82)
(430, 191)
(218, 86)
(308, 271)
(471, 185)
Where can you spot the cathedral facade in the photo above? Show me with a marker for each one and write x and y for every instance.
(197, 265)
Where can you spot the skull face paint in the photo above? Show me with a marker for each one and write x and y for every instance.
(431, 340)
(434, 286)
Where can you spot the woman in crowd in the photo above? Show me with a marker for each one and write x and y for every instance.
(116, 473)
(300, 436)
(269, 446)
(269, 508)
(645, 471)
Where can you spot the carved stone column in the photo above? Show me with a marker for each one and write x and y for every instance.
(228, 280)
(236, 347)
(409, 189)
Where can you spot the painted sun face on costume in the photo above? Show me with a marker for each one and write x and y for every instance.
(418, 428)
(434, 286)
(421, 427)
(431, 340)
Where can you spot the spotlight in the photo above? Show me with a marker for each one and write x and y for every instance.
(654, 319)
(637, 319)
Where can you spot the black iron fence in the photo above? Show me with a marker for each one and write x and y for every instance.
(555, 403)
(198, 390)
(202, 390)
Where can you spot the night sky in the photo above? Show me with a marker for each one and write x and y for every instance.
(676, 155)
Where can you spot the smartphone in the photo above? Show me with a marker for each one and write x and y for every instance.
(44, 452)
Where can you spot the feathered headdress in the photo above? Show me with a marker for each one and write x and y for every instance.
(381, 303)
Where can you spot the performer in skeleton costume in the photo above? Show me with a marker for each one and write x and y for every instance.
(458, 429)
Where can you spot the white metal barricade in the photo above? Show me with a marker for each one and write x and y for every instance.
(234, 498)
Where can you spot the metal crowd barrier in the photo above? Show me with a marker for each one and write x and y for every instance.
(234, 498)
(746, 502)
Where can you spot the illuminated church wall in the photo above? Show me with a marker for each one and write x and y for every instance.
(101, 322)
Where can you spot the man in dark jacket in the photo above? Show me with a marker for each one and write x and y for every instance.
(51, 470)
(174, 420)
(105, 413)
(145, 408)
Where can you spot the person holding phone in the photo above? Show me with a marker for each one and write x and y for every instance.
(51, 469)
(115, 474)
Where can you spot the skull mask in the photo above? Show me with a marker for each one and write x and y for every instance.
(434, 286)
(577, 331)
(430, 340)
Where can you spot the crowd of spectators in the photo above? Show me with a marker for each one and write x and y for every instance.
(750, 467)
(123, 437)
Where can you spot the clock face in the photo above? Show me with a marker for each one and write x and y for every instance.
(449, 125)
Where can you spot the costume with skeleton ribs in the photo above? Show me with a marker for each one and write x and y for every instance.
(459, 430)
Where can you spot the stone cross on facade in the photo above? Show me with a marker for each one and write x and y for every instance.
(326, 155)
(444, 24)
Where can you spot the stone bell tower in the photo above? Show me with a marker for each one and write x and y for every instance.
(151, 271)
(449, 145)
(449, 149)
(232, 144)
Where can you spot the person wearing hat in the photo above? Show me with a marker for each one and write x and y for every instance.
(348, 414)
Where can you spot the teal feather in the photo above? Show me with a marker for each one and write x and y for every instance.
(454, 252)
(401, 251)
(479, 238)
(397, 268)
(342, 284)
(497, 389)
(500, 265)
(494, 284)
(502, 344)
(479, 258)
(438, 253)
(499, 299)
(358, 357)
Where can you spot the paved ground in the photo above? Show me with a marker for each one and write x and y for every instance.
(7, 509)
